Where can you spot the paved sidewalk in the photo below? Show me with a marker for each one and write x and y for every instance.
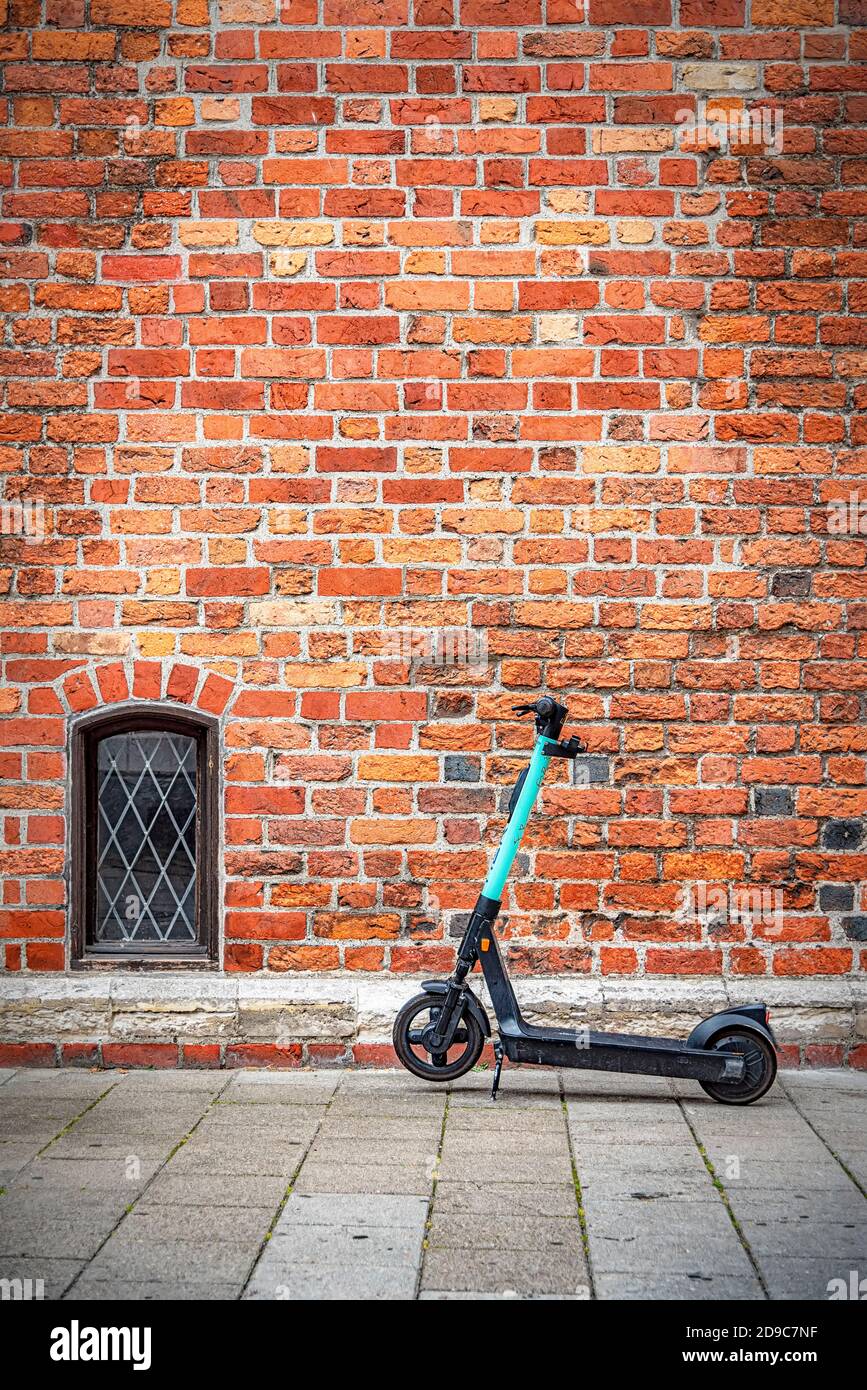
(331, 1184)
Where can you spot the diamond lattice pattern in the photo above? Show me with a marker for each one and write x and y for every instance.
(146, 870)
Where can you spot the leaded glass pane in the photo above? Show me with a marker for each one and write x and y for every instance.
(146, 839)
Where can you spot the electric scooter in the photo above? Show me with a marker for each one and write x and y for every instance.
(439, 1034)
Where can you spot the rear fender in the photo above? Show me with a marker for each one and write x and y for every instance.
(753, 1017)
(471, 1003)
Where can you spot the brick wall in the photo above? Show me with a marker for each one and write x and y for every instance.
(328, 329)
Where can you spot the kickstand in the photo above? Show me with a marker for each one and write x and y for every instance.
(498, 1056)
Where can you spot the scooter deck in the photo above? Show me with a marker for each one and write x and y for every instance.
(618, 1052)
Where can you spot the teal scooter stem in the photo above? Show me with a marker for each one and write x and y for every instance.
(505, 856)
(439, 1034)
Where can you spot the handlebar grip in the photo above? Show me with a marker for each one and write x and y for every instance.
(543, 707)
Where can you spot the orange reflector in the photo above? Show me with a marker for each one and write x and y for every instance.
(485, 943)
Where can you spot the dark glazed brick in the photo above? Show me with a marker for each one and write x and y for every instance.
(795, 584)
(773, 801)
(460, 769)
(836, 897)
(856, 927)
(842, 834)
(590, 771)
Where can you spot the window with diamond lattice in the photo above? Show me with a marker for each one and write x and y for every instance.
(144, 857)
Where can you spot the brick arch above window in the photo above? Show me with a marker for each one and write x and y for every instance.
(117, 682)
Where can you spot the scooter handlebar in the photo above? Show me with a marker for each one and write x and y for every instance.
(550, 716)
(543, 707)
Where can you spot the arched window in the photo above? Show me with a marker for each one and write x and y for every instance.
(144, 836)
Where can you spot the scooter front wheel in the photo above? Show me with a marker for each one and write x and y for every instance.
(760, 1067)
(411, 1027)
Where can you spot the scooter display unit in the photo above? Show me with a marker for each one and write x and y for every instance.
(439, 1034)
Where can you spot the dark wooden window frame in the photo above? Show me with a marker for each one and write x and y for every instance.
(87, 733)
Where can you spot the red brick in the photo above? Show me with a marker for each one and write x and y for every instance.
(264, 1055)
(28, 1055)
(201, 1054)
(79, 1054)
(152, 1055)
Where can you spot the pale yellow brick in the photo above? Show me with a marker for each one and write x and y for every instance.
(720, 77)
(287, 262)
(484, 521)
(611, 458)
(226, 550)
(568, 200)
(617, 140)
(610, 519)
(559, 328)
(288, 521)
(248, 11)
(393, 767)
(208, 233)
(425, 263)
(289, 458)
(163, 581)
(156, 644)
(416, 551)
(363, 234)
(497, 108)
(418, 459)
(498, 233)
(220, 109)
(635, 231)
(293, 613)
(309, 676)
(486, 490)
(592, 233)
(276, 233)
(93, 643)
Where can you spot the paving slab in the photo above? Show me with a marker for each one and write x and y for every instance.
(385, 1179)
(155, 1290)
(317, 1283)
(216, 1191)
(40, 1276)
(497, 1199)
(78, 1235)
(347, 1246)
(809, 1277)
(14, 1159)
(234, 1158)
(518, 1271)
(475, 1295)
(654, 1285)
(508, 1232)
(80, 1177)
(196, 1225)
(124, 1258)
(353, 1209)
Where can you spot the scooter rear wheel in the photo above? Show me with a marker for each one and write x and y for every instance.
(410, 1026)
(760, 1067)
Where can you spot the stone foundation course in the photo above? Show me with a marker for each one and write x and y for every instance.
(343, 1020)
